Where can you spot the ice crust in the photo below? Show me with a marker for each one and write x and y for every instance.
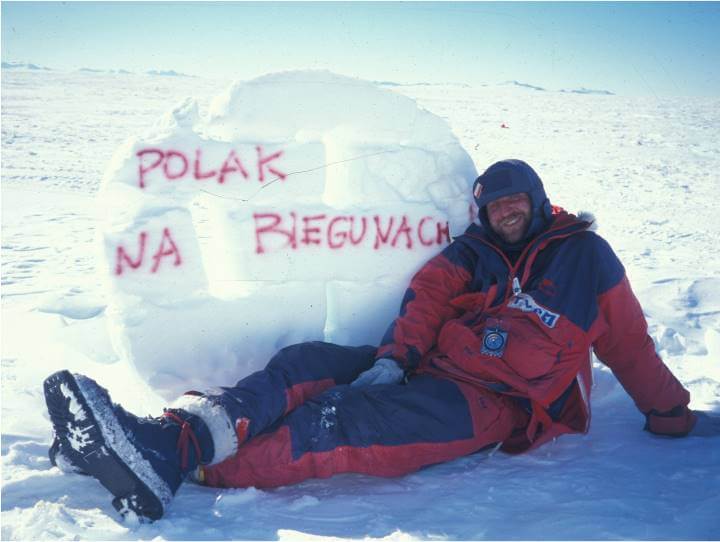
(297, 208)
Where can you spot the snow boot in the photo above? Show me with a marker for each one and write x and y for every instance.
(141, 461)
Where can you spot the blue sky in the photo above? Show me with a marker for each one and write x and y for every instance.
(645, 48)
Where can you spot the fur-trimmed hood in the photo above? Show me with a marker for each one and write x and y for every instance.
(587, 216)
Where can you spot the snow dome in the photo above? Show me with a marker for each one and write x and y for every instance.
(297, 208)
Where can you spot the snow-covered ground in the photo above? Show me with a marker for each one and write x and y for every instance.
(646, 167)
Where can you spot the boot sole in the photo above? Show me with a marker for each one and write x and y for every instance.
(94, 441)
(58, 459)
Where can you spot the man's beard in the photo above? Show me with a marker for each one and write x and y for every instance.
(513, 228)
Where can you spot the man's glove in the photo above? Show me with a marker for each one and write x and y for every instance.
(706, 425)
(385, 371)
(679, 421)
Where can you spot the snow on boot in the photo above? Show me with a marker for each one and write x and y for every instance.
(141, 461)
(59, 458)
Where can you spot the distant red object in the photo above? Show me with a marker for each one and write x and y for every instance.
(503, 125)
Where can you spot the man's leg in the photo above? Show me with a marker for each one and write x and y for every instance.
(382, 430)
(143, 461)
(295, 374)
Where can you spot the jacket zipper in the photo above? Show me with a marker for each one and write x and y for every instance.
(514, 285)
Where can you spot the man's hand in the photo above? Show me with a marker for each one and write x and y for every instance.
(706, 425)
(385, 371)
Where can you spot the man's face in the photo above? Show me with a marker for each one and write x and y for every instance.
(510, 216)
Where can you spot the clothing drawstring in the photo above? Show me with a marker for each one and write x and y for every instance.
(186, 434)
(539, 417)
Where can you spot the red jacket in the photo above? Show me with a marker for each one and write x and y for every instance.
(571, 295)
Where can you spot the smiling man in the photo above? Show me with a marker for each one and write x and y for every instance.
(512, 202)
(492, 347)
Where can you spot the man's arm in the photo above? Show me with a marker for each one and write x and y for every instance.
(627, 349)
(426, 305)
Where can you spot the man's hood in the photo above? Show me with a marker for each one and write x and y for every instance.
(506, 178)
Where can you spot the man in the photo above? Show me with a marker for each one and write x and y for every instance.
(491, 347)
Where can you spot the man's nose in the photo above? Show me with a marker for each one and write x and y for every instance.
(505, 208)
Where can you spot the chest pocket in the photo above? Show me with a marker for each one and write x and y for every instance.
(532, 348)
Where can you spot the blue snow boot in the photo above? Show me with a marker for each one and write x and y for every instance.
(141, 461)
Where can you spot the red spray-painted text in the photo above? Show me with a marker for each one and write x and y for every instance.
(166, 249)
(275, 232)
(337, 232)
(173, 165)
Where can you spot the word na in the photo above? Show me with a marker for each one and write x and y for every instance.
(166, 249)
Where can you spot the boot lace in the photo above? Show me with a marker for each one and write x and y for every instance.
(187, 435)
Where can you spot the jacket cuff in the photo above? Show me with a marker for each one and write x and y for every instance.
(677, 422)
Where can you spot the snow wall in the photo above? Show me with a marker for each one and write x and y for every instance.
(297, 208)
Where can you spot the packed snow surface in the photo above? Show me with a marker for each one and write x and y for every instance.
(647, 168)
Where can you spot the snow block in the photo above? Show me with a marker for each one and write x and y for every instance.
(297, 208)
(156, 256)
